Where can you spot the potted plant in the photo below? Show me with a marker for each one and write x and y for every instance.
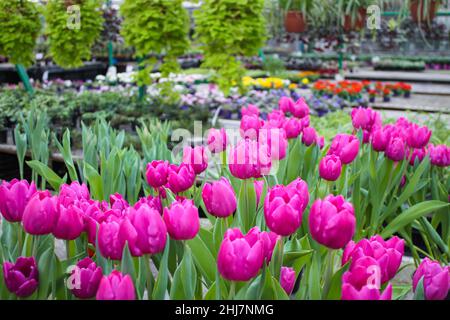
(352, 13)
(386, 95)
(372, 95)
(423, 11)
(296, 14)
(406, 88)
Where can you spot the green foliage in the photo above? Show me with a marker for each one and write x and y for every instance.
(226, 29)
(156, 27)
(71, 45)
(20, 26)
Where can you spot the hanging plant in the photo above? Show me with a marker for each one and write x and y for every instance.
(72, 28)
(154, 28)
(20, 26)
(227, 29)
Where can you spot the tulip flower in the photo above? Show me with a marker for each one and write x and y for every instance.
(259, 185)
(276, 119)
(157, 172)
(118, 202)
(182, 220)
(287, 279)
(366, 293)
(305, 121)
(364, 271)
(150, 228)
(418, 137)
(240, 257)
(299, 187)
(286, 104)
(330, 168)
(436, 279)
(292, 127)
(40, 214)
(250, 126)
(14, 197)
(217, 140)
(275, 139)
(22, 277)
(269, 240)
(219, 198)
(250, 110)
(87, 278)
(116, 287)
(309, 136)
(345, 146)
(388, 254)
(439, 155)
(300, 109)
(180, 178)
(418, 154)
(249, 159)
(366, 119)
(332, 221)
(396, 149)
(196, 157)
(70, 194)
(69, 223)
(283, 210)
(152, 202)
(112, 235)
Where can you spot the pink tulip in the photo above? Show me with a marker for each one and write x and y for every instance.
(40, 214)
(330, 168)
(240, 257)
(89, 277)
(300, 109)
(69, 223)
(112, 235)
(292, 127)
(259, 186)
(366, 293)
(249, 159)
(116, 287)
(22, 277)
(118, 202)
(380, 139)
(418, 154)
(250, 126)
(156, 173)
(436, 279)
(439, 155)
(14, 196)
(286, 104)
(217, 140)
(180, 178)
(305, 121)
(309, 136)
(364, 271)
(366, 119)
(182, 220)
(219, 198)
(332, 221)
(196, 157)
(73, 193)
(276, 141)
(396, 149)
(152, 202)
(269, 240)
(250, 110)
(345, 146)
(276, 119)
(287, 279)
(418, 137)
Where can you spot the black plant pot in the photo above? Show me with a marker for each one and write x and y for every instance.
(386, 99)
(407, 94)
(3, 136)
(372, 99)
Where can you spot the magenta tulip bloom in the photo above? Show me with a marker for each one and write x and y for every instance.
(259, 186)
(380, 138)
(388, 254)
(196, 157)
(286, 104)
(87, 279)
(180, 178)
(330, 168)
(40, 214)
(292, 127)
(22, 277)
(219, 198)
(366, 119)
(250, 126)
(418, 137)
(156, 173)
(345, 146)
(250, 110)
(73, 193)
(249, 159)
(116, 287)
(439, 155)
(299, 187)
(287, 279)
(182, 220)
(151, 230)
(118, 202)
(364, 271)
(217, 140)
(309, 136)
(269, 240)
(300, 109)
(275, 119)
(366, 293)
(69, 223)
(436, 279)
(112, 235)
(396, 149)
(240, 257)
(14, 197)
(332, 221)
(283, 210)
(418, 154)
(275, 139)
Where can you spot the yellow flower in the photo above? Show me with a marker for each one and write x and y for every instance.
(292, 86)
(305, 81)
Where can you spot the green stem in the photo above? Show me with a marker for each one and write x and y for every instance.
(68, 249)
(328, 273)
(232, 291)
(149, 276)
(19, 236)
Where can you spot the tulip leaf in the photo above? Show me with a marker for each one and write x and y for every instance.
(335, 286)
(127, 264)
(247, 205)
(314, 278)
(203, 259)
(44, 265)
(279, 292)
(291, 257)
(411, 214)
(66, 151)
(419, 293)
(47, 174)
(94, 180)
(188, 274)
(159, 291)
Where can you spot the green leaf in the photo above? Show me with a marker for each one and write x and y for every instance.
(203, 259)
(159, 292)
(45, 277)
(188, 274)
(334, 291)
(127, 264)
(420, 291)
(47, 174)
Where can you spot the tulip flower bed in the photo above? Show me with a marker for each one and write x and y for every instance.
(287, 216)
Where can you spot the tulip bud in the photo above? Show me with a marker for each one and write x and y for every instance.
(309, 136)
(240, 257)
(156, 173)
(180, 178)
(182, 220)
(89, 277)
(380, 138)
(69, 223)
(116, 287)
(219, 198)
(418, 137)
(300, 109)
(332, 221)
(292, 127)
(396, 149)
(286, 104)
(287, 279)
(40, 214)
(217, 140)
(439, 155)
(436, 279)
(330, 168)
(14, 197)
(345, 146)
(22, 277)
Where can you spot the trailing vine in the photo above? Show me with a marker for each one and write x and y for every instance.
(20, 26)
(71, 45)
(227, 29)
(155, 27)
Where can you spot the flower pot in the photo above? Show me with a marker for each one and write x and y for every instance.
(418, 14)
(372, 99)
(3, 136)
(358, 23)
(386, 99)
(407, 94)
(295, 22)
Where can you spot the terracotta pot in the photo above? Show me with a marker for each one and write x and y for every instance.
(358, 23)
(417, 5)
(295, 22)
